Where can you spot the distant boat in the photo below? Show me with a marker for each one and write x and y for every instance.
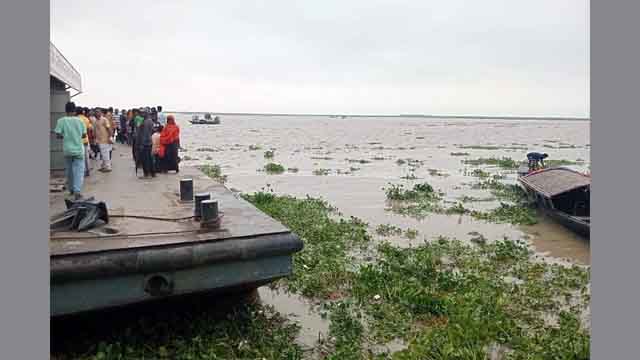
(195, 120)
(563, 194)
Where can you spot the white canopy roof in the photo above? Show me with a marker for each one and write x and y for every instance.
(61, 69)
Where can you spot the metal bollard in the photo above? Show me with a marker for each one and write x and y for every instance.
(199, 199)
(186, 189)
(209, 213)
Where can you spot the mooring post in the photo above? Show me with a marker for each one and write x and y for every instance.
(198, 207)
(186, 189)
(209, 213)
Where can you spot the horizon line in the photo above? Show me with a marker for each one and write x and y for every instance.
(397, 115)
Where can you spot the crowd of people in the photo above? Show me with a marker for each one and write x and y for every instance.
(88, 135)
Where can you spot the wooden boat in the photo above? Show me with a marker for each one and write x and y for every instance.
(195, 120)
(562, 193)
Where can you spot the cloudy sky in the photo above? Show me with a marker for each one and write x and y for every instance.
(454, 57)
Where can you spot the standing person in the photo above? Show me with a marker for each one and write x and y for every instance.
(155, 149)
(162, 118)
(135, 132)
(129, 125)
(113, 128)
(81, 113)
(123, 128)
(145, 144)
(72, 131)
(103, 138)
(93, 145)
(170, 143)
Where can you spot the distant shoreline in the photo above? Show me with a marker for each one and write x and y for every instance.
(405, 116)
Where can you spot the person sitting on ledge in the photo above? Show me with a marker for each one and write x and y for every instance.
(536, 160)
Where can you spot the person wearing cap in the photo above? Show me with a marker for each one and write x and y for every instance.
(72, 130)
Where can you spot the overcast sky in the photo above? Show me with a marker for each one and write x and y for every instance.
(453, 57)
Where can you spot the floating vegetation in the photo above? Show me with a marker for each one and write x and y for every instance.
(477, 238)
(445, 299)
(458, 208)
(508, 213)
(436, 172)
(195, 330)
(459, 154)
(322, 267)
(411, 176)
(480, 173)
(255, 147)
(321, 158)
(468, 199)
(459, 308)
(510, 192)
(505, 162)
(273, 168)
(411, 234)
(321, 171)
(388, 230)
(269, 154)
(401, 161)
(422, 191)
(206, 149)
(360, 161)
(214, 172)
(292, 170)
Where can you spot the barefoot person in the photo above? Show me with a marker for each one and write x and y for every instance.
(72, 131)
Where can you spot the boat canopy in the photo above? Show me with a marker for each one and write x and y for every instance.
(555, 181)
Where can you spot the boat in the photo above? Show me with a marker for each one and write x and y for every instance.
(196, 120)
(561, 193)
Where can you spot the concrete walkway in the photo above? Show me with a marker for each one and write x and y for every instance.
(127, 194)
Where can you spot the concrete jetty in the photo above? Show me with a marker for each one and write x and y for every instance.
(134, 259)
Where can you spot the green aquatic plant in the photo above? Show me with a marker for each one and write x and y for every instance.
(505, 162)
(422, 191)
(254, 147)
(322, 267)
(196, 330)
(411, 234)
(269, 154)
(321, 172)
(273, 168)
(214, 172)
(507, 213)
(388, 230)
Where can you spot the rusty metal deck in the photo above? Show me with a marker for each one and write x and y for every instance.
(127, 194)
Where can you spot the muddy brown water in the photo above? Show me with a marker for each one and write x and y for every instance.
(361, 155)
